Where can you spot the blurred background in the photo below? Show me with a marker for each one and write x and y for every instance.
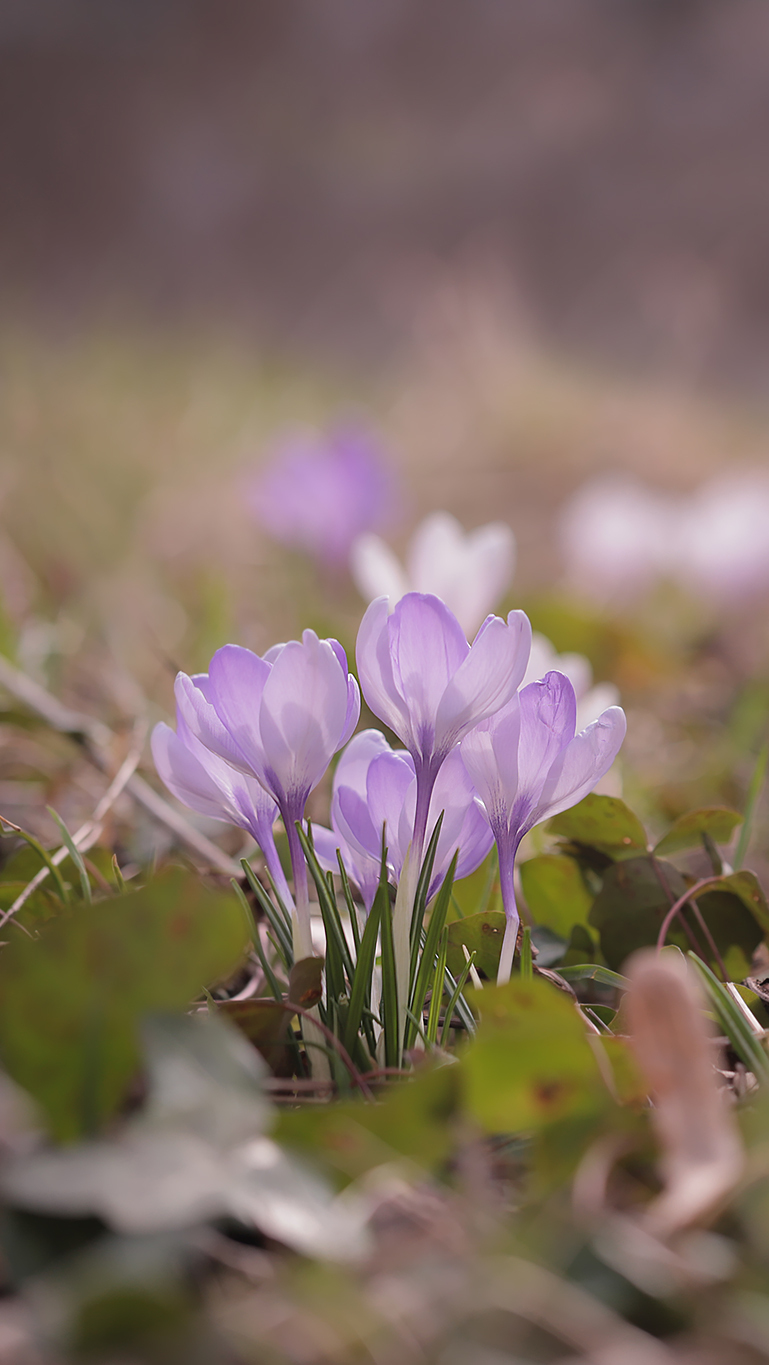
(523, 241)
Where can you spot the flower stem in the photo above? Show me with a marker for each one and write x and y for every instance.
(301, 913)
(426, 775)
(513, 919)
(319, 1063)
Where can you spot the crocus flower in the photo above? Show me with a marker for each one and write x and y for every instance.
(591, 701)
(421, 677)
(278, 719)
(616, 538)
(528, 764)
(470, 571)
(375, 788)
(212, 787)
(722, 548)
(319, 492)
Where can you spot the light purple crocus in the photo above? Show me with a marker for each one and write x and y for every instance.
(528, 764)
(421, 677)
(319, 492)
(375, 789)
(278, 719)
(212, 787)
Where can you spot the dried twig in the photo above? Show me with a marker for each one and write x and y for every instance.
(96, 741)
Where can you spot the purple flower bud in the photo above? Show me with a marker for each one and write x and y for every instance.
(421, 677)
(212, 787)
(528, 764)
(319, 492)
(375, 787)
(278, 719)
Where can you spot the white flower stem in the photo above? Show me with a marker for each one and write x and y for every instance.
(320, 1069)
(513, 919)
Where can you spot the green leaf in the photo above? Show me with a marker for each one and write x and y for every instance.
(70, 1001)
(265, 1024)
(742, 1037)
(717, 821)
(747, 887)
(530, 1063)
(481, 934)
(604, 823)
(426, 965)
(555, 892)
(632, 903)
(360, 993)
(412, 1119)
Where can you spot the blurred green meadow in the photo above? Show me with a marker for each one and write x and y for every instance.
(511, 1197)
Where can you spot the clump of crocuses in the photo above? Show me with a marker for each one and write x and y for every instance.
(489, 757)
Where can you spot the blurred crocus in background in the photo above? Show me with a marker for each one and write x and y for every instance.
(721, 549)
(470, 570)
(615, 537)
(319, 491)
(375, 789)
(528, 763)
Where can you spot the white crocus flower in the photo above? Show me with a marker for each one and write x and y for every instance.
(617, 538)
(591, 701)
(469, 570)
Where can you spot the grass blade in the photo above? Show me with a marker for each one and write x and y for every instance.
(526, 964)
(349, 902)
(274, 917)
(733, 1022)
(75, 855)
(392, 1048)
(439, 981)
(336, 943)
(589, 971)
(754, 792)
(359, 1013)
(420, 898)
(253, 930)
(426, 963)
(454, 998)
(43, 855)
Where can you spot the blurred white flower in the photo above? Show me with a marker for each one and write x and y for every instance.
(722, 544)
(469, 570)
(591, 701)
(617, 536)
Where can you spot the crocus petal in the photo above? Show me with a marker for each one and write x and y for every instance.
(353, 822)
(303, 714)
(185, 776)
(489, 563)
(486, 679)
(202, 720)
(372, 653)
(362, 871)
(583, 763)
(427, 647)
(490, 754)
(387, 787)
(595, 702)
(548, 724)
(237, 681)
(464, 826)
(375, 569)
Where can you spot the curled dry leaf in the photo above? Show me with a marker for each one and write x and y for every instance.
(702, 1155)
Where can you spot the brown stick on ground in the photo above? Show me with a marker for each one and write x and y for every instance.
(96, 740)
